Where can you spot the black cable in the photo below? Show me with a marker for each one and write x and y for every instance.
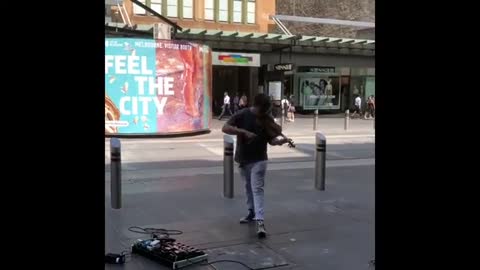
(244, 265)
(126, 253)
(213, 262)
(154, 231)
(137, 229)
(115, 258)
(232, 261)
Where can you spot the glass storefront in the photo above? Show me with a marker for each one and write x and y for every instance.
(319, 91)
(332, 88)
(362, 84)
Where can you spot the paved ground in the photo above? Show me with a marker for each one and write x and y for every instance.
(177, 184)
(304, 126)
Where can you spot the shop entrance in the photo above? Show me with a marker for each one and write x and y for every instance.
(288, 85)
(232, 79)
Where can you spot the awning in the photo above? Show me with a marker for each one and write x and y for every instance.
(255, 42)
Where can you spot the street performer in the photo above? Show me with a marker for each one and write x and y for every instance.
(255, 128)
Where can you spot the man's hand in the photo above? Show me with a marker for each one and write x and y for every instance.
(285, 140)
(249, 135)
(282, 141)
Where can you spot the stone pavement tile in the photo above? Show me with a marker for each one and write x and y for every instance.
(161, 172)
(301, 127)
(323, 238)
(253, 255)
(333, 229)
(136, 262)
(306, 124)
(301, 238)
(350, 246)
(200, 196)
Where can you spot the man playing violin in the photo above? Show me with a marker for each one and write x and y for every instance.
(254, 128)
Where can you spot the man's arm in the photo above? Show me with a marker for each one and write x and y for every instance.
(231, 127)
(278, 141)
(232, 130)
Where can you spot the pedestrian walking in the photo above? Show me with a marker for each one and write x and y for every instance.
(371, 106)
(291, 109)
(236, 101)
(225, 106)
(285, 105)
(252, 133)
(358, 107)
(243, 102)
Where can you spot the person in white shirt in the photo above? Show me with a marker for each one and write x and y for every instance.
(358, 106)
(285, 105)
(291, 109)
(225, 106)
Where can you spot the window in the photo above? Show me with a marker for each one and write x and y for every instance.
(237, 11)
(209, 9)
(187, 9)
(223, 10)
(156, 5)
(251, 11)
(153, 4)
(137, 10)
(172, 8)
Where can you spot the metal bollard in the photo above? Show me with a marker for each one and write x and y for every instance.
(320, 160)
(115, 173)
(282, 121)
(315, 120)
(228, 166)
(347, 119)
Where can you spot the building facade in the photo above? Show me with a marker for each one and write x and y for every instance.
(321, 72)
(353, 10)
(229, 15)
(328, 83)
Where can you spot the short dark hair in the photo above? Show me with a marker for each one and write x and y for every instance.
(262, 102)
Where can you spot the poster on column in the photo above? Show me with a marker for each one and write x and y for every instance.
(156, 87)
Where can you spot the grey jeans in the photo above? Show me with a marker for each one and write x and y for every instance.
(254, 176)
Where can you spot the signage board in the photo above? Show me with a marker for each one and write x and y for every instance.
(156, 86)
(236, 59)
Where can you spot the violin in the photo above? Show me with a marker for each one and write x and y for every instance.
(274, 130)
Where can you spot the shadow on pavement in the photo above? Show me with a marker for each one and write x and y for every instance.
(308, 229)
(334, 152)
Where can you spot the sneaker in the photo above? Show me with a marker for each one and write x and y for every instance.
(249, 218)
(261, 232)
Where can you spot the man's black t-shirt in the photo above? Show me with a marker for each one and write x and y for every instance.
(249, 151)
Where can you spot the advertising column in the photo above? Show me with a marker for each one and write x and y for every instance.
(156, 87)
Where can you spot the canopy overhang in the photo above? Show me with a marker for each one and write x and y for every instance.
(255, 42)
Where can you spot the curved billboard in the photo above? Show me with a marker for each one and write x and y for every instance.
(156, 87)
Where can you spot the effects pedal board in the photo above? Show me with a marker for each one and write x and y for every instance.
(169, 252)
